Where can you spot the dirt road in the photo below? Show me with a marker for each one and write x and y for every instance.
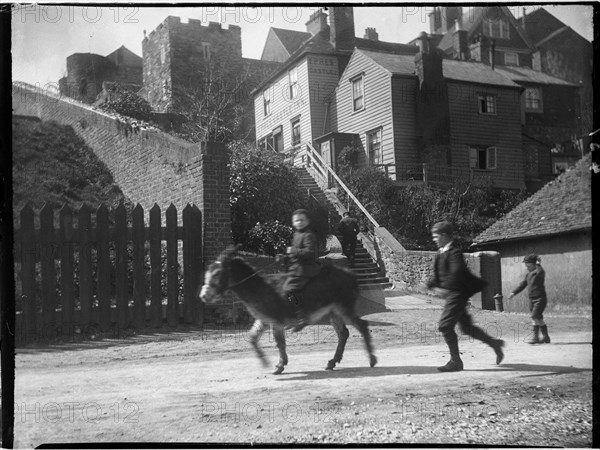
(194, 386)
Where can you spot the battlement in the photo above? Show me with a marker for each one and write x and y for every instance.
(173, 23)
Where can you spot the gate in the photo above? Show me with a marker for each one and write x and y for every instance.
(110, 270)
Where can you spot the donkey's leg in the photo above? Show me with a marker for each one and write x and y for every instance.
(279, 336)
(362, 326)
(255, 333)
(342, 334)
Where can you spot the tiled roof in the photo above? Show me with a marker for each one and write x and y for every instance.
(539, 24)
(467, 71)
(561, 206)
(291, 40)
(390, 47)
(523, 74)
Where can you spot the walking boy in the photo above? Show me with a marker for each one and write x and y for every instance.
(534, 282)
(451, 274)
(303, 265)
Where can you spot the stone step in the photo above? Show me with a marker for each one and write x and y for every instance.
(380, 280)
(377, 286)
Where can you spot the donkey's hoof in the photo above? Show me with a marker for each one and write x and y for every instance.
(278, 370)
(330, 365)
(373, 361)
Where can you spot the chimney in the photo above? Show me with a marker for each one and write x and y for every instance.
(448, 15)
(433, 111)
(371, 34)
(459, 42)
(435, 22)
(480, 49)
(341, 27)
(317, 22)
(523, 20)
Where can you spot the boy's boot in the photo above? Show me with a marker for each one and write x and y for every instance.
(545, 337)
(455, 364)
(535, 339)
(301, 319)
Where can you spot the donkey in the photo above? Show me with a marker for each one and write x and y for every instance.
(332, 291)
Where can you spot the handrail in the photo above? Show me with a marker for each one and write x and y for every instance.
(313, 153)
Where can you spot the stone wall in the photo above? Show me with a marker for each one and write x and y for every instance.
(148, 165)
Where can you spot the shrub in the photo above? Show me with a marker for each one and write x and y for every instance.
(269, 238)
(123, 101)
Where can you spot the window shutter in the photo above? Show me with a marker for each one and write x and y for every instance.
(491, 157)
(472, 157)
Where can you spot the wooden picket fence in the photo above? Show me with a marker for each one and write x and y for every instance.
(59, 250)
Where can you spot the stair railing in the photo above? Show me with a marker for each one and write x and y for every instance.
(323, 170)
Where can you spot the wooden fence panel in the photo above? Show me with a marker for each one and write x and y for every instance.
(104, 267)
(139, 298)
(67, 284)
(155, 267)
(73, 247)
(172, 276)
(86, 298)
(121, 293)
(28, 283)
(47, 255)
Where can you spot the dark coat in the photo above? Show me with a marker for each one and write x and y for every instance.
(304, 262)
(534, 282)
(450, 272)
(348, 227)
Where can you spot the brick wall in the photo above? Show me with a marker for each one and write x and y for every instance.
(148, 165)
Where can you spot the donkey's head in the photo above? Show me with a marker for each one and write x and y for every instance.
(216, 278)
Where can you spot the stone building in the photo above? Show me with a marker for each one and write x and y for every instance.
(87, 71)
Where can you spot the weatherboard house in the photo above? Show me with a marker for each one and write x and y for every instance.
(556, 224)
(420, 112)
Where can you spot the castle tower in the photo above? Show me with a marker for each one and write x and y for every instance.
(178, 56)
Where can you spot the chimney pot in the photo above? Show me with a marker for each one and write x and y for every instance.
(317, 22)
(371, 34)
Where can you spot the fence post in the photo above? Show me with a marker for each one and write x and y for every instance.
(28, 282)
(155, 267)
(188, 266)
(198, 264)
(85, 267)
(67, 286)
(104, 267)
(139, 299)
(172, 276)
(121, 266)
(48, 270)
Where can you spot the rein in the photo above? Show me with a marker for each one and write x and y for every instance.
(258, 272)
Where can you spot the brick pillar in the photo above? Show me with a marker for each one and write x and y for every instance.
(215, 207)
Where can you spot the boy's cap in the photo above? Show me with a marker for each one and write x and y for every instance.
(444, 227)
(531, 258)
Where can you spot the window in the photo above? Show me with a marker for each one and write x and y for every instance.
(206, 51)
(374, 147)
(511, 59)
(296, 137)
(357, 94)
(163, 54)
(266, 102)
(533, 99)
(482, 158)
(487, 104)
(293, 82)
(498, 28)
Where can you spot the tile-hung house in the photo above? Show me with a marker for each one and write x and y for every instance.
(555, 223)
(291, 106)
(549, 113)
(560, 51)
(460, 119)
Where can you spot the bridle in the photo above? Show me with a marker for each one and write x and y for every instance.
(257, 272)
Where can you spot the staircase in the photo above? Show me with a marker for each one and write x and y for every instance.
(367, 271)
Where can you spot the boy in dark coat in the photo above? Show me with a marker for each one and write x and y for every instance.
(348, 228)
(302, 262)
(536, 290)
(450, 273)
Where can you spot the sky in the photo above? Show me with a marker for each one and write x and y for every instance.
(43, 36)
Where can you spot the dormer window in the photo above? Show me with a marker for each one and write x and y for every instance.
(511, 58)
(497, 28)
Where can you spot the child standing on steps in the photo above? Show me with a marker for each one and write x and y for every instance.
(536, 290)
